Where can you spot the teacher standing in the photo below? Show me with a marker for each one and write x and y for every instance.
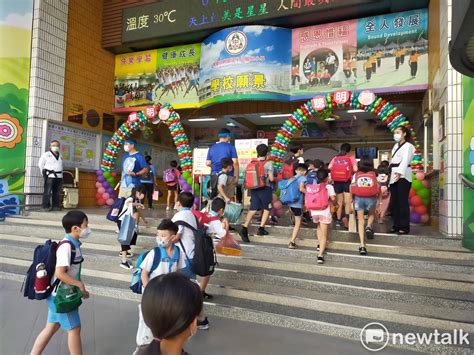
(400, 180)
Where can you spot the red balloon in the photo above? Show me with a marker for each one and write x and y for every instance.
(101, 202)
(416, 201)
(412, 193)
(421, 209)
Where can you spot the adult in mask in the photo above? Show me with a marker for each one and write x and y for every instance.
(400, 180)
(51, 166)
(133, 168)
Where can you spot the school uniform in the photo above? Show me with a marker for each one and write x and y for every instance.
(51, 166)
(402, 155)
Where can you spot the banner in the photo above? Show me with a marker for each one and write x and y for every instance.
(167, 74)
(199, 162)
(245, 62)
(246, 151)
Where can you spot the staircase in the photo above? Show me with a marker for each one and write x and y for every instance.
(408, 283)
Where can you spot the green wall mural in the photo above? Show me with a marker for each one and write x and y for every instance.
(15, 39)
(468, 130)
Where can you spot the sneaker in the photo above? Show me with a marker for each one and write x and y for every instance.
(129, 254)
(126, 265)
(262, 231)
(273, 220)
(317, 248)
(362, 250)
(338, 224)
(244, 234)
(168, 208)
(206, 296)
(292, 245)
(369, 233)
(203, 324)
(320, 259)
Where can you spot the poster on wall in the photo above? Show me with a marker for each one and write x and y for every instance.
(246, 151)
(79, 148)
(15, 35)
(245, 63)
(166, 74)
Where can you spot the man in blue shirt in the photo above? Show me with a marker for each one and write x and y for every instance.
(133, 167)
(222, 149)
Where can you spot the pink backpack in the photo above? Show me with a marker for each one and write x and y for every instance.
(316, 197)
(170, 177)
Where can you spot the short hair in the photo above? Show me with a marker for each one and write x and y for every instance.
(131, 141)
(345, 148)
(170, 304)
(318, 163)
(224, 132)
(365, 164)
(384, 164)
(301, 167)
(55, 141)
(73, 218)
(295, 147)
(186, 199)
(262, 150)
(173, 163)
(168, 225)
(322, 174)
(148, 159)
(226, 162)
(217, 204)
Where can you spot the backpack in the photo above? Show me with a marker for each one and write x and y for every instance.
(212, 184)
(255, 175)
(365, 184)
(312, 178)
(136, 284)
(170, 177)
(203, 218)
(316, 197)
(114, 212)
(205, 258)
(341, 170)
(37, 284)
(288, 170)
(289, 191)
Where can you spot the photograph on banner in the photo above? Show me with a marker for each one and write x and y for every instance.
(246, 151)
(166, 74)
(245, 62)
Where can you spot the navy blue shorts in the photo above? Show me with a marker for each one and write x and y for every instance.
(261, 199)
(341, 187)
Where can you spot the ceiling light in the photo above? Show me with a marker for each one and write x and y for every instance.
(329, 119)
(231, 124)
(355, 111)
(277, 115)
(201, 119)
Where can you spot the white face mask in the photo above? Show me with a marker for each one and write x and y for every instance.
(55, 149)
(85, 233)
(397, 137)
(163, 243)
(126, 148)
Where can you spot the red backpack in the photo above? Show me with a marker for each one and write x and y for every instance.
(365, 184)
(316, 197)
(341, 170)
(204, 217)
(288, 170)
(255, 175)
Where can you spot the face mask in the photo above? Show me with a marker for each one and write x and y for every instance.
(141, 197)
(126, 148)
(85, 233)
(397, 137)
(162, 243)
(55, 149)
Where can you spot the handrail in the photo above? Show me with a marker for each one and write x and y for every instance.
(465, 181)
(13, 172)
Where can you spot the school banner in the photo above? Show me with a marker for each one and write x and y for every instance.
(245, 63)
(166, 74)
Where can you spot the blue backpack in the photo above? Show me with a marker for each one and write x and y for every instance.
(312, 178)
(114, 212)
(136, 284)
(44, 261)
(289, 191)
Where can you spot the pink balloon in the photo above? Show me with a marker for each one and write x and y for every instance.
(109, 202)
(101, 202)
(278, 212)
(105, 196)
(420, 176)
(164, 114)
(97, 185)
(274, 198)
(277, 205)
(425, 218)
(426, 184)
(101, 190)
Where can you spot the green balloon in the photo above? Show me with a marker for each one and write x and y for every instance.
(424, 193)
(426, 202)
(417, 185)
(190, 180)
(278, 191)
(186, 175)
(107, 174)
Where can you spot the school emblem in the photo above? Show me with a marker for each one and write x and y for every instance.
(236, 42)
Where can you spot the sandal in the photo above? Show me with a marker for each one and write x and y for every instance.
(292, 245)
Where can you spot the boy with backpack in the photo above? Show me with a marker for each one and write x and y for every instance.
(222, 185)
(171, 179)
(342, 166)
(258, 178)
(365, 189)
(313, 167)
(297, 206)
(296, 158)
(317, 200)
(67, 275)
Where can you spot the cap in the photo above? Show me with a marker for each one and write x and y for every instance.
(131, 141)
(224, 133)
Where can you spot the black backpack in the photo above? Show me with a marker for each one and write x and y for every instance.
(205, 258)
(212, 190)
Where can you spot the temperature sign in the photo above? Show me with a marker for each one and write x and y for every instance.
(319, 103)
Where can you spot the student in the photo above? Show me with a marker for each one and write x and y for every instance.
(342, 166)
(383, 177)
(297, 207)
(297, 152)
(171, 179)
(400, 180)
(131, 207)
(413, 62)
(185, 238)
(365, 190)
(323, 218)
(75, 224)
(295, 158)
(148, 180)
(171, 260)
(171, 306)
(313, 167)
(261, 198)
(225, 183)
